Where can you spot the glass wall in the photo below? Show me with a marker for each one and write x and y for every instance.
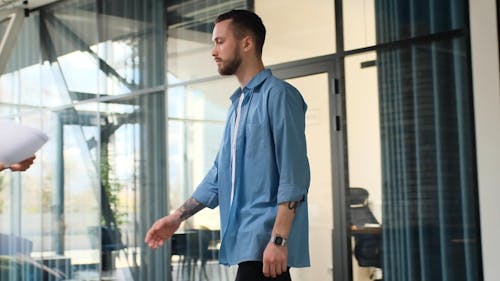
(90, 74)
(413, 193)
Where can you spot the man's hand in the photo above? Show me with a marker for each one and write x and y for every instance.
(163, 229)
(275, 260)
(21, 166)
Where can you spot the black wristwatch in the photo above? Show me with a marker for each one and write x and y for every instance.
(278, 240)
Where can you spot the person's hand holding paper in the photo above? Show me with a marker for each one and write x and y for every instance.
(18, 145)
(19, 167)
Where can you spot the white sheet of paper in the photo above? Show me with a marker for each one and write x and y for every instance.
(18, 142)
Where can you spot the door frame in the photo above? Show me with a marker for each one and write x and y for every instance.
(333, 66)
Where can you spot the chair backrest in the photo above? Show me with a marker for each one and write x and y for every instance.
(360, 212)
(358, 196)
(111, 239)
(195, 244)
(368, 246)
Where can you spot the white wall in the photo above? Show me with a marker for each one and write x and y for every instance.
(363, 129)
(485, 67)
(314, 89)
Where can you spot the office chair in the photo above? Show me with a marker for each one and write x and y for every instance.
(368, 244)
(192, 246)
(111, 240)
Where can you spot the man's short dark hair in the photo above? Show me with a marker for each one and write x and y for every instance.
(246, 23)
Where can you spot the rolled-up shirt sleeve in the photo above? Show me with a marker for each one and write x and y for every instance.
(207, 192)
(287, 117)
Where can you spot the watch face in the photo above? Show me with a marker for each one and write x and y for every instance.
(278, 240)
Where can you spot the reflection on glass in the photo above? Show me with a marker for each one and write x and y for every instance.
(121, 199)
(22, 96)
(81, 208)
(68, 32)
(4, 23)
(77, 206)
(23, 66)
(90, 66)
(123, 62)
(52, 215)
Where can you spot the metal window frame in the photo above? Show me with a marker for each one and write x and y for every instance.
(15, 17)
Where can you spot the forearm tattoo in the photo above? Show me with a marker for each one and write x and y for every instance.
(293, 206)
(190, 207)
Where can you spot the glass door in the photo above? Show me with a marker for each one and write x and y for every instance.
(315, 89)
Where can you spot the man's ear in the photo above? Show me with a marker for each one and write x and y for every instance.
(248, 43)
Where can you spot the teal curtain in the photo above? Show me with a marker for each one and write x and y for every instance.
(430, 207)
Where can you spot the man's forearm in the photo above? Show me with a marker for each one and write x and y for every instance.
(284, 218)
(189, 208)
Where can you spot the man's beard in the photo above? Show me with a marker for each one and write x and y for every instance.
(231, 67)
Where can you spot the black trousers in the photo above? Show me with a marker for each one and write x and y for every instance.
(252, 271)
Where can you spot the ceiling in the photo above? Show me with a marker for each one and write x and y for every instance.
(29, 4)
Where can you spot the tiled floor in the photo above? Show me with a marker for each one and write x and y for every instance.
(212, 272)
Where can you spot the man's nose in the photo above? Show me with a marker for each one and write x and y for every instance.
(214, 51)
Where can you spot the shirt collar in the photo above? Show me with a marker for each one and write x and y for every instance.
(254, 82)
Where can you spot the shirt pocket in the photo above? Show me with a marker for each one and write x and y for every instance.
(256, 139)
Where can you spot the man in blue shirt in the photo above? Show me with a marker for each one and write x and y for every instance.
(260, 177)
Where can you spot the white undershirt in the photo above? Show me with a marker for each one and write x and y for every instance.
(233, 144)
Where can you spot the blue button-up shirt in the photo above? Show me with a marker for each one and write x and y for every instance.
(271, 167)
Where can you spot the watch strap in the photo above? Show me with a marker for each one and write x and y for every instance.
(278, 240)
